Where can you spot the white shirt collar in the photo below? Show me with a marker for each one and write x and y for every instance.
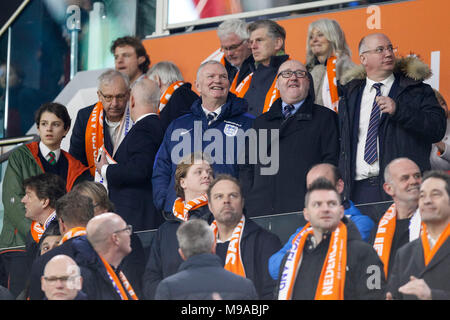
(46, 150)
(217, 111)
(387, 83)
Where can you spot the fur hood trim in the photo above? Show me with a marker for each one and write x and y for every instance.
(410, 66)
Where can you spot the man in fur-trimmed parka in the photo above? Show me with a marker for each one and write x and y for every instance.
(386, 112)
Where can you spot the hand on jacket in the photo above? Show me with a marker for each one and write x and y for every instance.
(417, 287)
(386, 104)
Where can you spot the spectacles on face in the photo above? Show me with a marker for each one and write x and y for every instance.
(63, 279)
(381, 50)
(128, 228)
(233, 47)
(288, 73)
(120, 97)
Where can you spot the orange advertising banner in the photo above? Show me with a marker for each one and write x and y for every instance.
(416, 27)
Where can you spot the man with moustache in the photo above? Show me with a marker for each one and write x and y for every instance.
(385, 112)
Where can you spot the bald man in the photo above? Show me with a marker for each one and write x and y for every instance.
(109, 239)
(401, 222)
(386, 111)
(62, 280)
(129, 180)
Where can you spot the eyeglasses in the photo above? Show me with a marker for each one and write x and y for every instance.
(63, 279)
(120, 97)
(288, 73)
(233, 47)
(381, 50)
(128, 228)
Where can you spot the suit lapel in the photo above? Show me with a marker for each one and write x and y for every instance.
(440, 255)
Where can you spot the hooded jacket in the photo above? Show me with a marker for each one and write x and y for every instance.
(417, 123)
(191, 133)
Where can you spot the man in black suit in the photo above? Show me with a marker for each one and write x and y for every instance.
(422, 267)
(129, 180)
(105, 123)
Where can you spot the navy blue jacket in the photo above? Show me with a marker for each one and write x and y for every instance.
(179, 104)
(262, 79)
(78, 137)
(202, 275)
(257, 245)
(129, 181)
(308, 137)
(191, 133)
(164, 258)
(417, 123)
(131, 264)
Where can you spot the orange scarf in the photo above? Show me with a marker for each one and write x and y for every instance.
(165, 97)
(272, 95)
(37, 230)
(385, 235)
(332, 278)
(181, 209)
(332, 81)
(94, 136)
(427, 252)
(72, 233)
(233, 260)
(119, 284)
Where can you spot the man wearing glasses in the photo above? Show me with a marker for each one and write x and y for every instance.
(385, 112)
(104, 124)
(237, 55)
(307, 135)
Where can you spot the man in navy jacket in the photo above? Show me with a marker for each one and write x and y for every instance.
(129, 181)
(218, 136)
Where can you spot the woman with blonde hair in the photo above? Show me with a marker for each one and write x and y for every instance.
(327, 57)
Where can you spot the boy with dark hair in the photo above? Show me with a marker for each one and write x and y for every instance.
(53, 123)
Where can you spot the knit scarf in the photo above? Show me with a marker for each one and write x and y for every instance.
(233, 260)
(119, 285)
(385, 235)
(37, 230)
(73, 233)
(430, 252)
(94, 136)
(167, 94)
(181, 209)
(332, 278)
(272, 95)
(332, 82)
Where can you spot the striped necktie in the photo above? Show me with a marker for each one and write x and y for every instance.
(287, 110)
(370, 150)
(210, 117)
(52, 158)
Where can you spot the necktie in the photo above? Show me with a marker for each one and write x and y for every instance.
(51, 158)
(287, 110)
(370, 150)
(210, 117)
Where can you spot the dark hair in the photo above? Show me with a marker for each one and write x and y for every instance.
(75, 209)
(221, 177)
(57, 109)
(320, 184)
(274, 30)
(138, 47)
(438, 174)
(46, 186)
